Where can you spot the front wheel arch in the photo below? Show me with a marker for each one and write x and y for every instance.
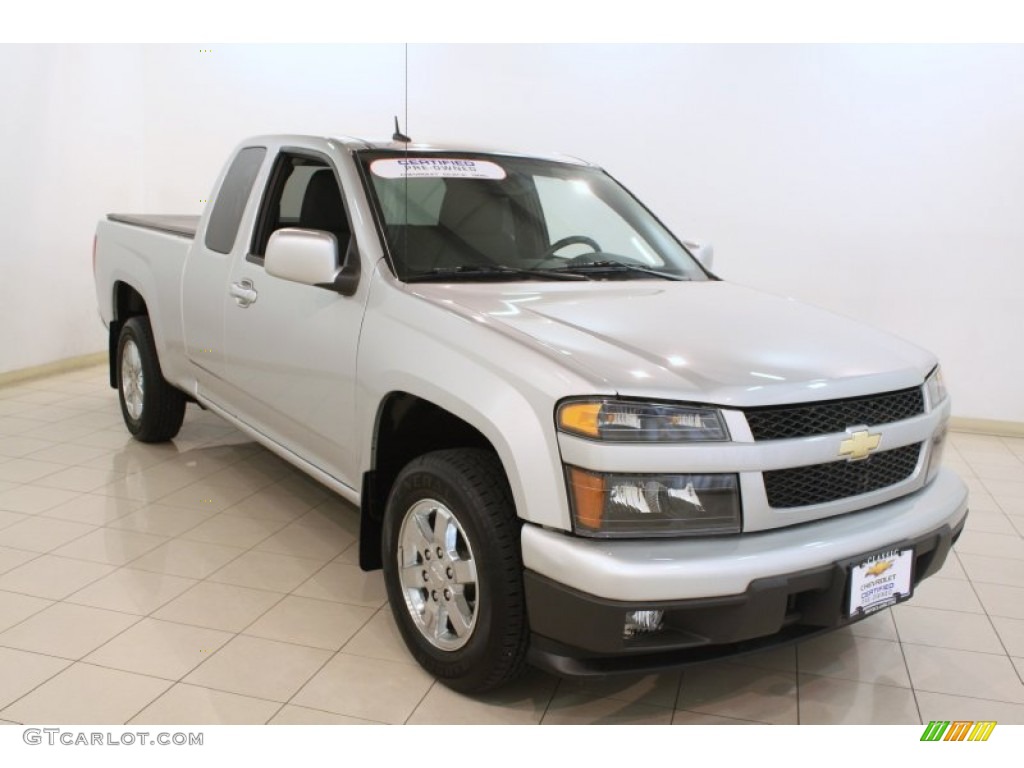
(470, 484)
(407, 426)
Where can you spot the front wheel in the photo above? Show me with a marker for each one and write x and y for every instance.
(453, 568)
(152, 409)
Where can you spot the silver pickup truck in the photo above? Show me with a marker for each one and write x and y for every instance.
(570, 443)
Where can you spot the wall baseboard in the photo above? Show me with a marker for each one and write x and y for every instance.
(987, 427)
(49, 369)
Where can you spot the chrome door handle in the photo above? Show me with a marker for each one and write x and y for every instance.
(244, 293)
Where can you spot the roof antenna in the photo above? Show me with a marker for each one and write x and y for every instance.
(398, 135)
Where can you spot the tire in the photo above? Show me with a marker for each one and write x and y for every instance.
(152, 409)
(478, 635)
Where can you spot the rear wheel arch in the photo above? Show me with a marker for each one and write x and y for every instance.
(127, 303)
(153, 410)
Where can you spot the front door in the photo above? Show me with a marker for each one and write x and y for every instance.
(290, 349)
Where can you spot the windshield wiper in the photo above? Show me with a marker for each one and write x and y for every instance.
(607, 265)
(470, 272)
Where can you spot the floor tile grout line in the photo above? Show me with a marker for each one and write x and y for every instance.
(27, 552)
(679, 691)
(993, 557)
(995, 629)
(906, 665)
(307, 681)
(292, 642)
(249, 696)
(326, 712)
(63, 543)
(724, 717)
(275, 713)
(434, 683)
(955, 648)
(181, 680)
(551, 699)
(878, 683)
(69, 594)
(82, 659)
(40, 684)
(181, 534)
(151, 701)
(34, 613)
(975, 531)
(1018, 702)
(240, 554)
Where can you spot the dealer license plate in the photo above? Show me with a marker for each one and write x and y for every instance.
(880, 581)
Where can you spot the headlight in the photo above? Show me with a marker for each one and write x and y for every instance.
(936, 388)
(622, 505)
(624, 421)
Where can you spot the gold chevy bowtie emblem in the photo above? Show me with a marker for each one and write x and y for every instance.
(859, 445)
(879, 568)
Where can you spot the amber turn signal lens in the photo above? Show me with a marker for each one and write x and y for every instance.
(588, 492)
(580, 418)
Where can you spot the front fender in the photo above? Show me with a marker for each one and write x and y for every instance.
(500, 387)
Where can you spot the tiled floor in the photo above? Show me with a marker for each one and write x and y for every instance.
(205, 581)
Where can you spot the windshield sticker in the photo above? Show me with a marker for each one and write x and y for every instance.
(436, 168)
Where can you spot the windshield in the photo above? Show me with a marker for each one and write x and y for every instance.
(472, 217)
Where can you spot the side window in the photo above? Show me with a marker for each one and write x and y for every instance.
(303, 192)
(222, 228)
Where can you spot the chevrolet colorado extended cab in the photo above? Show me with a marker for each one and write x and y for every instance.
(570, 443)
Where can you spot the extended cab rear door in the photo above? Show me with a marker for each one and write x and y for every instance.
(218, 243)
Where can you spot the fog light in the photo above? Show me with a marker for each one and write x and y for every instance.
(642, 623)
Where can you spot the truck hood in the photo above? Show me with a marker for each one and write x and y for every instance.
(713, 342)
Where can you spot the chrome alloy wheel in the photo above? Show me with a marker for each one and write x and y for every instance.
(438, 575)
(132, 383)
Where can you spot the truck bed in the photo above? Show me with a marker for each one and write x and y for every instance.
(184, 226)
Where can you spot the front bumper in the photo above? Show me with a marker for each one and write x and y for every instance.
(721, 597)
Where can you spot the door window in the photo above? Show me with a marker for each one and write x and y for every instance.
(304, 193)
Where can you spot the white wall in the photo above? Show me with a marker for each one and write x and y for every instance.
(198, 106)
(70, 150)
(880, 182)
(885, 183)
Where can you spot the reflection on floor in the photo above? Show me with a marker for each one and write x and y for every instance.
(206, 581)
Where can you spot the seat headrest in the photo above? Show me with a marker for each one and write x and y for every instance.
(322, 207)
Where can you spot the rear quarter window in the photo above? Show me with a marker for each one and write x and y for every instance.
(222, 229)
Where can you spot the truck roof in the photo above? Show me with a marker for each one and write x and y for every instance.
(354, 144)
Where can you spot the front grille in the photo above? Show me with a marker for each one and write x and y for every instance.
(779, 422)
(820, 483)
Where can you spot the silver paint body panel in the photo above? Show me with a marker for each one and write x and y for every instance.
(304, 370)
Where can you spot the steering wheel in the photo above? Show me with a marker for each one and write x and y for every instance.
(571, 240)
(566, 241)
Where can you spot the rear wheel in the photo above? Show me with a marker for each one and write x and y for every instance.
(152, 409)
(453, 568)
